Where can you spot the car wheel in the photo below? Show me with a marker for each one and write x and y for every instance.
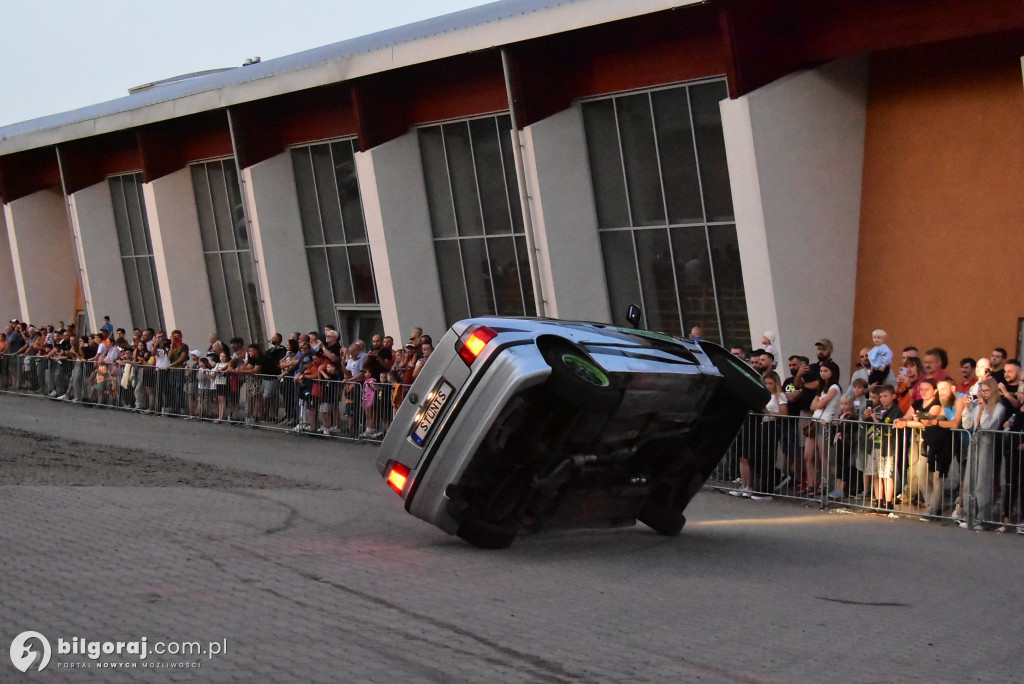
(577, 379)
(660, 515)
(739, 379)
(486, 535)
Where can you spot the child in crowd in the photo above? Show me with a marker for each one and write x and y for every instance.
(204, 386)
(768, 344)
(880, 358)
(844, 440)
(220, 384)
(371, 371)
(882, 456)
(860, 395)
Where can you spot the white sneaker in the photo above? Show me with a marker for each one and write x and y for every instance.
(958, 512)
(324, 431)
(53, 394)
(366, 434)
(1020, 529)
(760, 497)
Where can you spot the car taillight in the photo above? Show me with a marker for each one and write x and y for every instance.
(473, 342)
(397, 477)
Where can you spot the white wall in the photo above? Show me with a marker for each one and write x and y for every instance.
(564, 218)
(178, 255)
(796, 154)
(10, 306)
(103, 285)
(43, 257)
(277, 239)
(401, 242)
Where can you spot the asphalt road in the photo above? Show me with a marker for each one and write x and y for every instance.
(292, 555)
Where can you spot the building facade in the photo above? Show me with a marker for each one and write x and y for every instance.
(817, 169)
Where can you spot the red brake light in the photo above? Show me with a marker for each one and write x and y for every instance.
(397, 477)
(473, 342)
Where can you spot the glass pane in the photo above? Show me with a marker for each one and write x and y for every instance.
(327, 194)
(219, 296)
(678, 163)
(505, 275)
(732, 302)
(157, 302)
(605, 164)
(620, 270)
(478, 277)
(435, 175)
(524, 275)
(221, 206)
(491, 176)
(714, 171)
(204, 206)
(320, 280)
(693, 273)
(655, 260)
(239, 226)
(642, 179)
(305, 188)
(453, 286)
(462, 174)
(124, 237)
(135, 212)
(362, 274)
(341, 282)
(250, 287)
(131, 282)
(147, 290)
(348, 191)
(509, 162)
(236, 297)
(145, 220)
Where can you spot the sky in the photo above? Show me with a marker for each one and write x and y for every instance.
(60, 55)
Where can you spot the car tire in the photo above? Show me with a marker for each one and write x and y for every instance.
(486, 535)
(740, 380)
(660, 515)
(578, 380)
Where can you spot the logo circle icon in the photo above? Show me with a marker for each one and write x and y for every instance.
(22, 654)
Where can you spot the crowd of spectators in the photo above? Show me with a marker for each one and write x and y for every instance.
(890, 436)
(310, 382)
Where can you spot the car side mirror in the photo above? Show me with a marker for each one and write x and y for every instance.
(633, 315)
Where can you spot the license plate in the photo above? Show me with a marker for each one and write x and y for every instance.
(433, 410)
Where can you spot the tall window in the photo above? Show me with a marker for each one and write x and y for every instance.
(475, 214)
(136, 251)
(334, 229)
(229, 259)
(664, 209)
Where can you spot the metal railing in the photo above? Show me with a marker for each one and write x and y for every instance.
(332, 408)
(971, 477)
(976, 478)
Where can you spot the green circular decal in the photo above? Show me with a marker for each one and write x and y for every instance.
(585, 369)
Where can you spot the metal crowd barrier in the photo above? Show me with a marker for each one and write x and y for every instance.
(331, 408)
(853, 464)
(880, 468)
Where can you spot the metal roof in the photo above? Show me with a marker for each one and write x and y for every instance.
(477, 28)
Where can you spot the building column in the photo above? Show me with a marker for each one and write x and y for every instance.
(10, 305)
(795, 150)
(401, 241)
(178, 255)
(103, 285)
(277, 239)
(42, 257)
(564, 218)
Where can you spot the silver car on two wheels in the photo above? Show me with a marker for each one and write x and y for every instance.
(520, 425)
